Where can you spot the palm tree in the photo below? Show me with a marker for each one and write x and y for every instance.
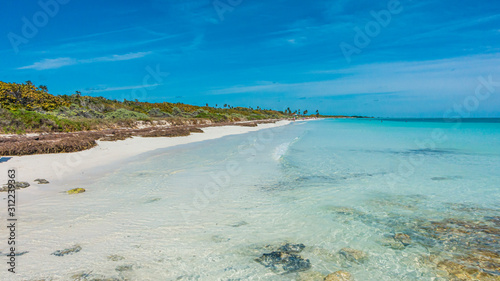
(43, 88)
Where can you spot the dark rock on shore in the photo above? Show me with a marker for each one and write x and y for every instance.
(17, 185)
(285, 259)
(42, 181)
(21, 184)
(74, 249)
(195, 130)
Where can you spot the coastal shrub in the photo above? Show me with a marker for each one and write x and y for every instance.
(76, 111)
(220, 118)
(34, 121)
(156, 112)
(176, 111)
(28, 108)
(201, 113)
(126, 114)
(9, 124)
(24, 121)
(237, 117)
(256, 117)
(27, 96)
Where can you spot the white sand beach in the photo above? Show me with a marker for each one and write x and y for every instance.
(64, 168)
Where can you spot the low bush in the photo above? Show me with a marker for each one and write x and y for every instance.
(126, 114)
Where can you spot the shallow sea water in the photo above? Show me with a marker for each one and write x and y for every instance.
(206, 211)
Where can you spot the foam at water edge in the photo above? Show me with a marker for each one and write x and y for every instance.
(281, 149)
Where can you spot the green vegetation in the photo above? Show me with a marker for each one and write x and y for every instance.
(122, 113)
(27, 108)
(76, 190)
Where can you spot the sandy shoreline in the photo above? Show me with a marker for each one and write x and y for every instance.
(62, 169)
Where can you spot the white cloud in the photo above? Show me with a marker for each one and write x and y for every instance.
(60, 62)
(50, 63)
(129, 56)
(110, 89)
(447, 77)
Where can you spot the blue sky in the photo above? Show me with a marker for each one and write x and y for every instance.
(422, 62)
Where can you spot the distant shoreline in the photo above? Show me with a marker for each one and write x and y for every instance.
(60, 142)
(63, 170)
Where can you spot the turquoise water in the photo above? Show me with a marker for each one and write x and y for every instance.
(206, 211)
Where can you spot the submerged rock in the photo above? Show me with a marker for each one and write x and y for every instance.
(74, 249)
(399, 241)
(17, 254)
(81, 276)
(353, 255)
(126, 267)
(238, 224)
(468, 250)
(339, 276)
(292, 248)
(220, 239)
(285, 259)
(152, 200)
(392, 243)
(94, 277)
(458, 271)
(493, 219)
(42, 181)
(115, 258)
(403, 238)
(310, 276)
(445, 178)
(76, 190)
(284, 262)
(346, 211)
